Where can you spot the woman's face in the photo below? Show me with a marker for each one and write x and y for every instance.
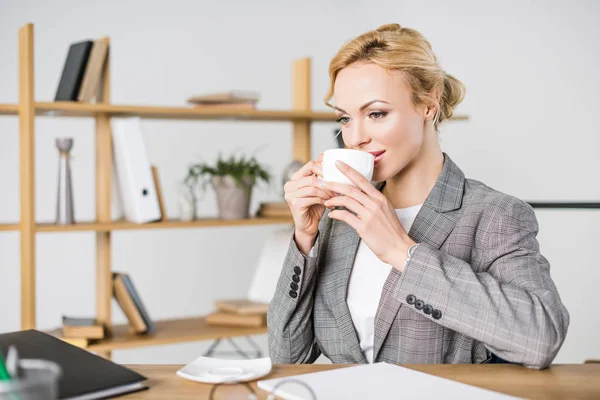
(377, 115)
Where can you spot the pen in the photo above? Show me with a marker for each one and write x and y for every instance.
(4, 375)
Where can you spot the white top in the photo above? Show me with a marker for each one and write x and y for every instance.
(368, 275)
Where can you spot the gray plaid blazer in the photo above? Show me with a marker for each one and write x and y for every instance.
(476, 288)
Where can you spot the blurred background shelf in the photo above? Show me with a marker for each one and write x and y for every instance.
(9, 109)
(72, 109)
(124, 225)
(9, 227)
(168, 332)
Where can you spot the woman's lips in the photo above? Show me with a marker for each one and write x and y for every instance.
(379, 157)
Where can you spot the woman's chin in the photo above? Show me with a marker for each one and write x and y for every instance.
(379, 176)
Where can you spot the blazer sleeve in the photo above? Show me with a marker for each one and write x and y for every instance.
(511, 304)
(291, 336)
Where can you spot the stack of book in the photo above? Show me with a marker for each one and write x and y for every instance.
(235, 99)
(279, 209)
(81, 331)
(238, 312)
(82, 71)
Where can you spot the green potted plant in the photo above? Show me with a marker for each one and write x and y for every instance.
(233, 180)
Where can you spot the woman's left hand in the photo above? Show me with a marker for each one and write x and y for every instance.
(375, 221)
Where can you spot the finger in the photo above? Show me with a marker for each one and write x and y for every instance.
(308, 169)
(313, 181)
(320, 159)
(357, 178)
(308, 201)
(349, 203)
(310, 191)
(349, 190)
(346, 217)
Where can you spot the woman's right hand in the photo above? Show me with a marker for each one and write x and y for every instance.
(306, 198)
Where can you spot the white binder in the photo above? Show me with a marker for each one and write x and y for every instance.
(134, 174)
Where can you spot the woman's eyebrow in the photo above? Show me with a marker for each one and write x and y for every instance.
(363, 106)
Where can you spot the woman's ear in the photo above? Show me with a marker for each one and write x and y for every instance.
(432, 109)
(430, 112)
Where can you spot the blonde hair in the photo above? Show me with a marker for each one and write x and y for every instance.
(403, 49)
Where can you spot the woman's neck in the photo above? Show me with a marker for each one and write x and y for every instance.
(414, 183)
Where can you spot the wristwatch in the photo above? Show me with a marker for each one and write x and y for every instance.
(410, 252)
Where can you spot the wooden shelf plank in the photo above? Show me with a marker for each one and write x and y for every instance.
(72, 109)
(9, 227)
(9, 109)
(168, 332)
(124, 225)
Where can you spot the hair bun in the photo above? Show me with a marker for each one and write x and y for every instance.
(389, 28)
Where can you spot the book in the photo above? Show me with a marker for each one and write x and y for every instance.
(73, 71)
(84, 374)
(241, 306)
(275, 205)
(79, 342)
(274, 210)
(226, 106)
(230, 319)
(161, 202)
(125, 301)
(232, 96)
(86, 328)
(93, 70)
(131, 304)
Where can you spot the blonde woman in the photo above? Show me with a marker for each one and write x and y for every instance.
(423, 265)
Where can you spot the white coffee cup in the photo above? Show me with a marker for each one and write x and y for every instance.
(361, 161)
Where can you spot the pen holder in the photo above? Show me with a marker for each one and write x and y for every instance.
(38, 380)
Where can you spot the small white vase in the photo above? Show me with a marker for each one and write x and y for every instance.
(187, 207)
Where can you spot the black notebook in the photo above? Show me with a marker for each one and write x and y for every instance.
(73, 71)
(84, 375)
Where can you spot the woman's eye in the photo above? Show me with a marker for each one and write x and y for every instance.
(343, 120)
(377, 114)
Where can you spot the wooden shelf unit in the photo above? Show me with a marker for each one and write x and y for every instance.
(171, 331)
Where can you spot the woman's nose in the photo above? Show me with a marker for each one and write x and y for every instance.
(356, 136)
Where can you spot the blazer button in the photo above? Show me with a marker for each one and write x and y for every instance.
(436, 314)
(427, 309)
(297, 270)
(410, 299)
(419, 304)
(296, 278)
(294, 286)
(293, 294)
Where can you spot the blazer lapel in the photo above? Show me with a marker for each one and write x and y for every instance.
(431, 226)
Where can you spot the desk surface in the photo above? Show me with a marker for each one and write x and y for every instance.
(581, 381)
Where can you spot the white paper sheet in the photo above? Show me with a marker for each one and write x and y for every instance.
(377, 381)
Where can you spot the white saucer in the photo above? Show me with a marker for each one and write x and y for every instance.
(219, 370)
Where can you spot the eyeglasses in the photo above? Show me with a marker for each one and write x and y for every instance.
(252, 393)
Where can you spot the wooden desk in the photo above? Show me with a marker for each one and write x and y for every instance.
(572, 381)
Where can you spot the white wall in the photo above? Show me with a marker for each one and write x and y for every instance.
(532, 76)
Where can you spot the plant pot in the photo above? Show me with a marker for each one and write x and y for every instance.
(233, 198)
